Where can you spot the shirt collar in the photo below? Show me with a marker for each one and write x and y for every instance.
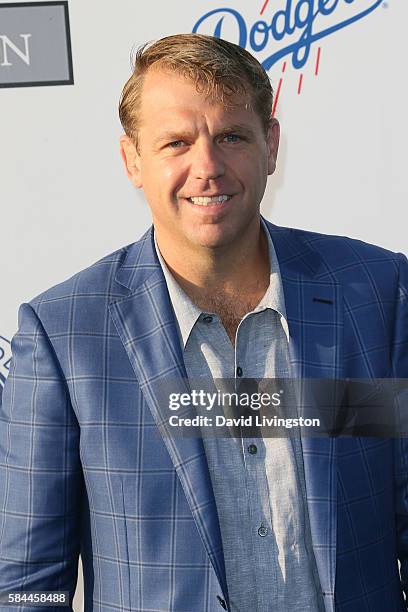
(187, 313)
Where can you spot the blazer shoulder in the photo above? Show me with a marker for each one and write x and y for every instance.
(339, 253)
(350, 262)
(344, 245)
(96, 280)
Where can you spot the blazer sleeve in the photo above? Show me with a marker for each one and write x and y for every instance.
(400, 371)
(41, 481)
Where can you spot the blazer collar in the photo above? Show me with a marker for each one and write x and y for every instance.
(140, 262)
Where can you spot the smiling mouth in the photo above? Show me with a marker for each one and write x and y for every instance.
(209, 200)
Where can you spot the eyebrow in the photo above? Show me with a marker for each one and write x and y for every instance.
(238, 127)
(173, 135)
(180, 134)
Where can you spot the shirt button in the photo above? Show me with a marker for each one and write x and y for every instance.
(239, 371)
(222, 602)
(207, 319)
(262, 531)
(252, 449)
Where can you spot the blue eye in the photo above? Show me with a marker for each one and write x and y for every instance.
(175, 144)
(232, 137)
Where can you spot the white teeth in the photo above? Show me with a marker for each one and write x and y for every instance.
(206, 201)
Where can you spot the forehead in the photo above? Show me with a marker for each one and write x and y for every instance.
(168, 96)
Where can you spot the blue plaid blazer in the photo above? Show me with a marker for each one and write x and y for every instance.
(85, 470)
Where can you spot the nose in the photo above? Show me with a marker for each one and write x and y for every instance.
(207, 162)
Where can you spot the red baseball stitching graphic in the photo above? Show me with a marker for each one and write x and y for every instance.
(300, 83)
(278, 90)
(318, 61)
(264, 6)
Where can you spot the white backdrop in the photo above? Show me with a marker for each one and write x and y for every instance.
(65, 200)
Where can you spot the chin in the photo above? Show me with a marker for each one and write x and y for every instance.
(211, 239)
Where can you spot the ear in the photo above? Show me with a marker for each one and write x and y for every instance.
(131, 160)
(272, 141)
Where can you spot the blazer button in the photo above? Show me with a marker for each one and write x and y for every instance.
(222, 602)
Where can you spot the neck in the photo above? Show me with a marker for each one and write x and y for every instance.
(240, 267)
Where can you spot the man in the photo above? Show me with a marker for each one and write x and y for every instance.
(193, 524)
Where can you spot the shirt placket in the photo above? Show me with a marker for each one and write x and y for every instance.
(260, 519)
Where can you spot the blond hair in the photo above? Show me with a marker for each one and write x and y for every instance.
(218, 68)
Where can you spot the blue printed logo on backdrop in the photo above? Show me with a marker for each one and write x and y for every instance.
(5, 359)
(291, 31)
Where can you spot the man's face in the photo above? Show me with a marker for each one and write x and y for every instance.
(191, 149)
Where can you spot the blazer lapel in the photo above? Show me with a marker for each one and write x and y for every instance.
(146, 325)
(315, 319)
